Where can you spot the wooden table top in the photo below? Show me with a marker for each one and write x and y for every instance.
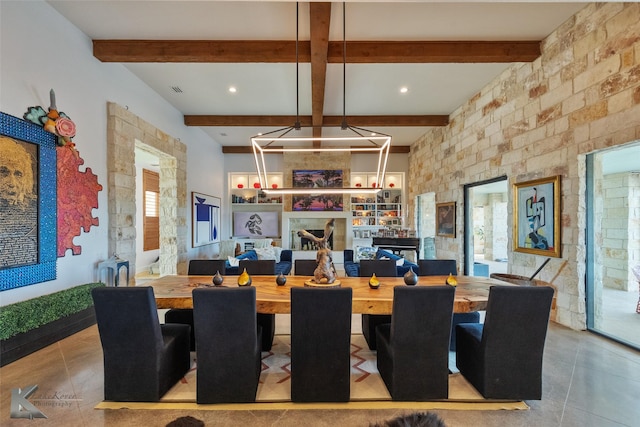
(175, 291)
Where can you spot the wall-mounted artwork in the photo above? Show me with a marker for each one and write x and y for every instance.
(27, 203)
(315, 180)
(77, 191)
(206, 219)
(536, 215)
(446, 219)
(256, 224)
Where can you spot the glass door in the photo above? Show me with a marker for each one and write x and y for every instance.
(613, 243)
(485, 227)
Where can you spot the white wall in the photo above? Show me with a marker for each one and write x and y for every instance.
(41, 50)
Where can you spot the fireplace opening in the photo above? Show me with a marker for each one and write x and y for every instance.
(309, 245)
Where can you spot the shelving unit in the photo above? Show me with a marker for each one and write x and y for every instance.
(245, 189)
(374, 211)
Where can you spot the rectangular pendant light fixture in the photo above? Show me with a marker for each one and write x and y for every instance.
(379, 145)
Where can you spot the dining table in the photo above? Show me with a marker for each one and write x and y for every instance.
(174, 291)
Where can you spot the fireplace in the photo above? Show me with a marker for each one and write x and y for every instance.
(309, 245)
(294, 222)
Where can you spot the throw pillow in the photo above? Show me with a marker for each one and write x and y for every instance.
(266, 253)
(364, 252)
(278, 251)
(233, 262)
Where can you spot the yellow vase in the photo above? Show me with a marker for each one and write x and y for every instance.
(451, 281)
(374, 283)
(244, 279)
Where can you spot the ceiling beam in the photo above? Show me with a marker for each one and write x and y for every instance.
(305, 121)
(284, 51)
(319, 20)
(245, 149)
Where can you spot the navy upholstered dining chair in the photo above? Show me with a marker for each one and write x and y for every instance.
(320, 344)
(265, 320)
(197, 267)
(142, 358)
(502, 358)
(381, 268)
(444, 267)
(228, 353)
(413, 350)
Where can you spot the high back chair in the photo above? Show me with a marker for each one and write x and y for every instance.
(381, 268)
(437, 267)
(228, 353)
(413, 351)
(266, 321)
(320, 344)
(444, 267)
(142, 358)
(502, 358)
(197, 267)
(305, 267)
(206, 267)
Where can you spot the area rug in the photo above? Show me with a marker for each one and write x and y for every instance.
(368, 391)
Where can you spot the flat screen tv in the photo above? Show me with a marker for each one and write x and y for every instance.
(256, 224)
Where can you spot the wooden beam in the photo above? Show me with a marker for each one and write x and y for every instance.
(305, 121)
(220, 51)
(246, 149)
(284, 51)
(319, 21)
(435, 51)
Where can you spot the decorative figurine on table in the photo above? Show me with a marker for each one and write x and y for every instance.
(325, 272)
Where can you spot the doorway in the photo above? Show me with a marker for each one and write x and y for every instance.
(486, 227)
(613, 250)
(426, 224)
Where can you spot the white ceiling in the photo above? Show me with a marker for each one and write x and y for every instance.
(270, 89)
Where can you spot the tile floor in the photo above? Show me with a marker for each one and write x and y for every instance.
(588, 381)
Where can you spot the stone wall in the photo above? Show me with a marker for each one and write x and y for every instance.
(538, 120)
(617, 224)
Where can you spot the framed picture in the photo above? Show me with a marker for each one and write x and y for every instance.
(205, 225)
(386, 195)
(315, 180)
(446, 219)
(536, 216)
(28, 211)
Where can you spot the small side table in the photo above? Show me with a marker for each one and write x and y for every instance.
(112, 267)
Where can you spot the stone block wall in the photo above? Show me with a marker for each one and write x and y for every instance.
(538, 120)
(620, 220)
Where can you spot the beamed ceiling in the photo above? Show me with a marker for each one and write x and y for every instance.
(192, 52)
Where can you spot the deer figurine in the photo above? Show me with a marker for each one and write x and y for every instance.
(325, 272)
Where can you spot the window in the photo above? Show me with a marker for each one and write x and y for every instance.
(151, 210)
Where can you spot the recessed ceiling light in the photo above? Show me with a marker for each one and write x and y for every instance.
(373, 134)
(232, 89)
(404, 89)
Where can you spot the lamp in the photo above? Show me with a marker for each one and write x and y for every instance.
(377, 143)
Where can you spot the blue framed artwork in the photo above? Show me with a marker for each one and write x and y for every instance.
(206, 219)
(537, 217)
(27, 203)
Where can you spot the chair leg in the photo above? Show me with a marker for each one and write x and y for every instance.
(268, 324)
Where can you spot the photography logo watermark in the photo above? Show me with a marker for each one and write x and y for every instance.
(23, 408)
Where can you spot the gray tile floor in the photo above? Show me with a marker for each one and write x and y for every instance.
(587, 381)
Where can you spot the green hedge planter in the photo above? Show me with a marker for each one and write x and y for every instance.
(30, 325)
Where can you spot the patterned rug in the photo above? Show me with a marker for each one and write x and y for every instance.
(367, 388)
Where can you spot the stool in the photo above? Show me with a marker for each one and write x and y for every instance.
(112, 267)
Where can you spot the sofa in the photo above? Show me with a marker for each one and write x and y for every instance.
(283, 258)
(352, 267)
